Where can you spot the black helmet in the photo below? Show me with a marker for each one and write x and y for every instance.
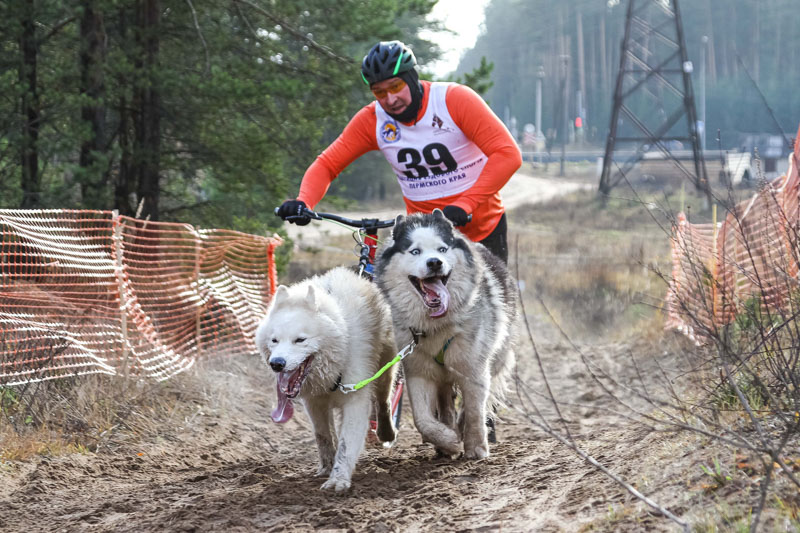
(386, 60)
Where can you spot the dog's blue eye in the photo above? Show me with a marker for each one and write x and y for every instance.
(443, 249)
(298, 340)
(415, 251)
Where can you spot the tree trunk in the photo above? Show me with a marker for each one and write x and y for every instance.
(147, 152)
(30, 181)
(732, 69)
(604, 77)
(581, 66)
(123, 185)
(756, 43)
(94, 174)
(711, 57)
(778, 45)
(593, 82)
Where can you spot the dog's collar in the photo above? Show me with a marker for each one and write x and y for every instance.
(337, 384)
(439, 357)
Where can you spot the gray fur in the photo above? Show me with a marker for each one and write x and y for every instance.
(480, 319)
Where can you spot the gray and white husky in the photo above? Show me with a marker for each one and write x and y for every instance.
(319, 333)
(460, 300)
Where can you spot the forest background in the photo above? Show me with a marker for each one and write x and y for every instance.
(208, 113)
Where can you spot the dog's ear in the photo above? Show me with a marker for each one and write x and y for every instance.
(311, 297)
(281, 295)
(261, 338)
(398, 221)
(439, 214)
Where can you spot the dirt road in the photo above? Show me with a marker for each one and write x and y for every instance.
(224, 466)
(212, 460)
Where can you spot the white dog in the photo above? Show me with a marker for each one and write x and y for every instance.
(460, 301)
(325, 331)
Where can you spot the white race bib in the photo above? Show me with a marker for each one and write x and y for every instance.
(433, 158)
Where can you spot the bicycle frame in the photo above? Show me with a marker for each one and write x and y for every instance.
(368, 227)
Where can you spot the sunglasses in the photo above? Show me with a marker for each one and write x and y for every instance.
(394, 88)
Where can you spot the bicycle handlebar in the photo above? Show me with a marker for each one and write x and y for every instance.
(366, 223)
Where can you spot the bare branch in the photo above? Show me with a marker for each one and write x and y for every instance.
(298, 34)
(200, 34)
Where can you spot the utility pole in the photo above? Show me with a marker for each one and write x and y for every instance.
(702, 124)
(654, 73)
(564, 109)
(539, 78)
(539, 134)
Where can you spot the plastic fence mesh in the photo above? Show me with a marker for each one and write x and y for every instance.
(85, 292)
(748, 259)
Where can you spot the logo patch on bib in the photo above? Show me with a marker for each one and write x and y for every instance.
(390, 131)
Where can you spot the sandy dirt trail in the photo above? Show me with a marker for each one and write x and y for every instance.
(223, 465)
(227, 467)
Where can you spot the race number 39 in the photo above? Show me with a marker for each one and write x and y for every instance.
(436, 155)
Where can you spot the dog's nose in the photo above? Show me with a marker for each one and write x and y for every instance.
(434, 263)
(277, 364)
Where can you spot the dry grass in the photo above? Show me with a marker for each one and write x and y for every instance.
(591, 264)
(89, 414)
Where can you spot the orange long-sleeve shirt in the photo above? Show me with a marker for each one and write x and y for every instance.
(471, 114)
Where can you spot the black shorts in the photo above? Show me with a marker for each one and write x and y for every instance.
(497, 241)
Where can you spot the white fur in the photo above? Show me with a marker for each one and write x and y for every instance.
(345, 322)
(480, 320)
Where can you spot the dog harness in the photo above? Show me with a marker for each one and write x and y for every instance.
(402, 354)
(407, 350)
(439, 357)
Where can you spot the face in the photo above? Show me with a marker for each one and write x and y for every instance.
(288, 339)
(422, 257)
(392, 102)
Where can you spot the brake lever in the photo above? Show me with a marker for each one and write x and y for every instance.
(469, 219)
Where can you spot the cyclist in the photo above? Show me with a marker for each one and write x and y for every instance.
(446, 146)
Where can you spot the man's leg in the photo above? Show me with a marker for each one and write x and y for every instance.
(497, 241)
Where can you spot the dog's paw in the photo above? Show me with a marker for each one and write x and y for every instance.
(477, 452)
(336, 484)
(323, 471)
(446, 443)
(442, 454)
(386, 433)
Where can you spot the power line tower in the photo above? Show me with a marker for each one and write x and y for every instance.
(653, 98)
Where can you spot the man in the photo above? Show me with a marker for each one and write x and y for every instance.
(447, 148)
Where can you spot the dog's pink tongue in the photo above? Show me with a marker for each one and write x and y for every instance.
(435, 290)
(284, 411)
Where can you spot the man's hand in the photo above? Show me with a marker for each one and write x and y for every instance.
(456, 215)
(292, 210)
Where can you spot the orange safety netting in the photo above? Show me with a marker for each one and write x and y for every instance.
(718, 270)
(84, 292)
